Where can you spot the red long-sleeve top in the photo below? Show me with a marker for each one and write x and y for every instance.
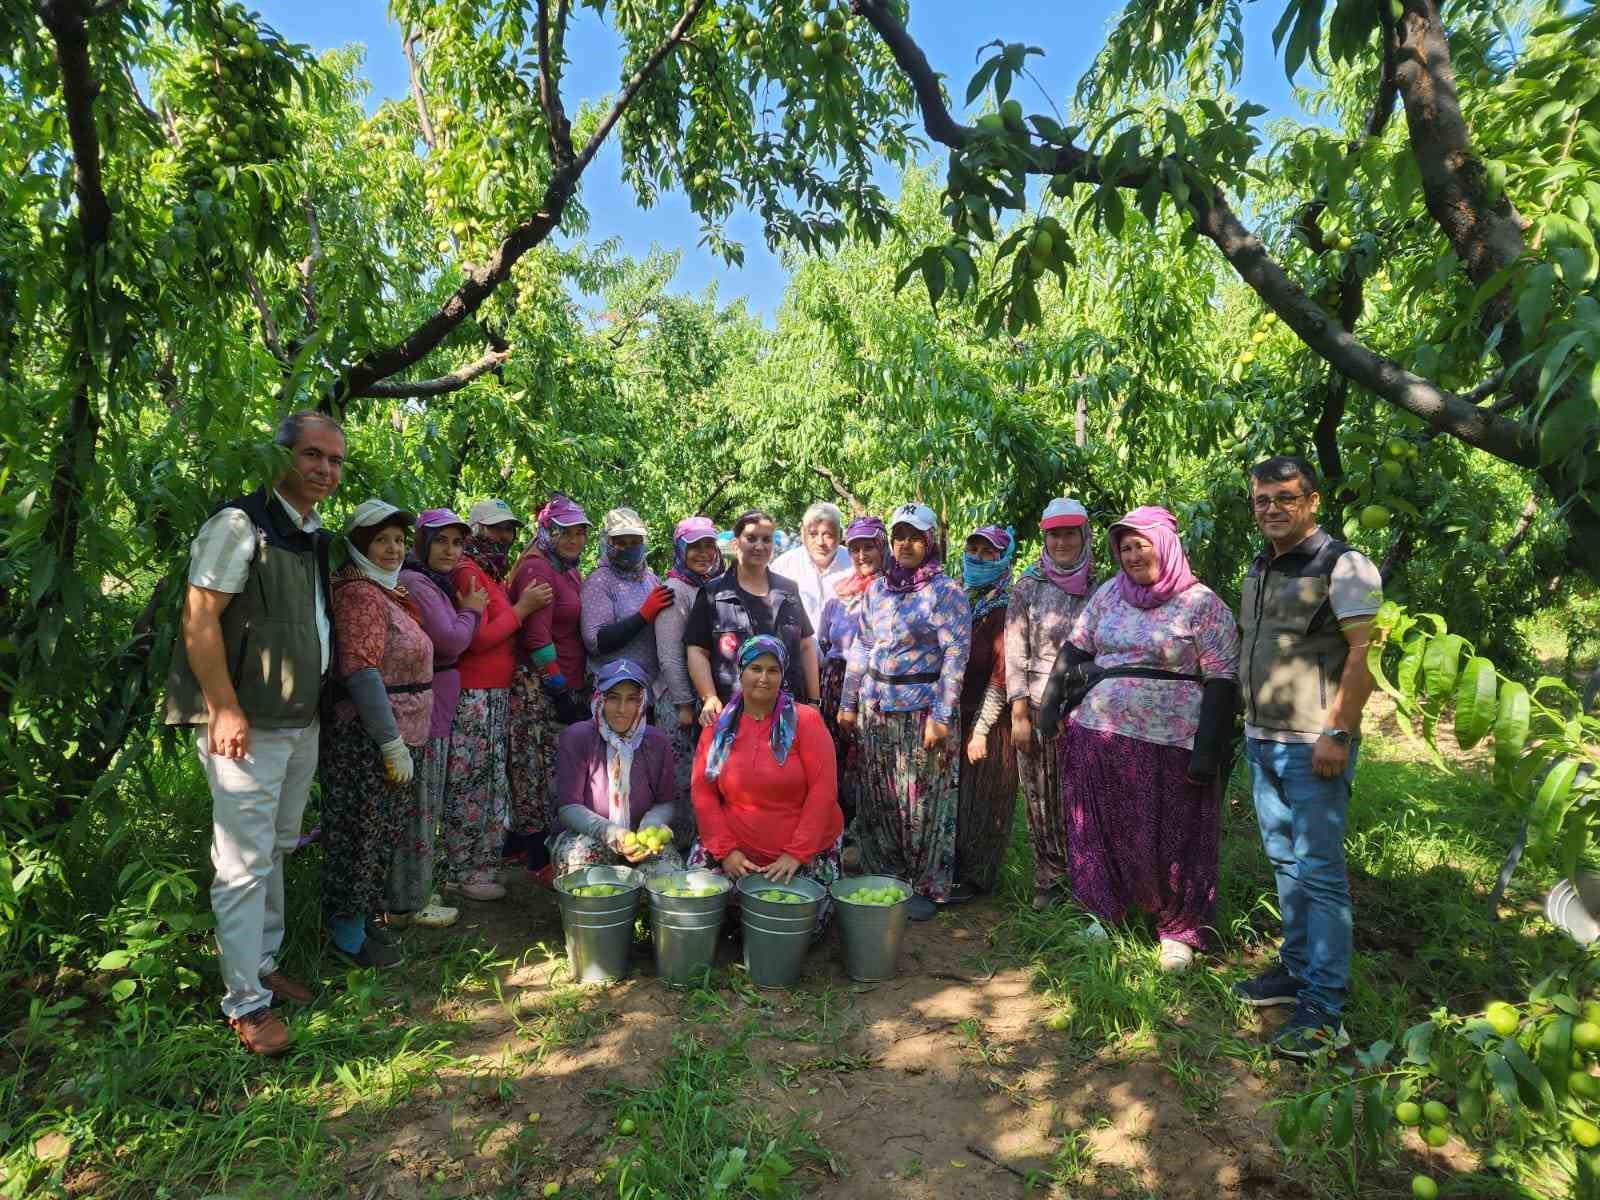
(491, 657)
(763, 809)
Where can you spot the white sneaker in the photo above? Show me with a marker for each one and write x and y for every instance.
(435, 916)
(1096, 932)
(1175, 956)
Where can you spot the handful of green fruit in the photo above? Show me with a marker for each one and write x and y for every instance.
(777, 897)
(652, 839)
(597, 889)
(880, 896)
(691, 891)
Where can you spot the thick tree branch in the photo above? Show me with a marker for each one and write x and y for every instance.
(640, 77)
(481, 281)
(841, 489)
(308, 266)
(424, 121)
(396, 389)
(555, 118)
(65, 19)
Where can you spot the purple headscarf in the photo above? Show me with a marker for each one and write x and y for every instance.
(689, 531)
(559, 513)
(1173, 576)
(898, 579)
(430, 522)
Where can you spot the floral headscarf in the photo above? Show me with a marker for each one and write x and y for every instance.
(783, 713)
(560, 513)
(689, 531)
(619, 746)
(1173, 577)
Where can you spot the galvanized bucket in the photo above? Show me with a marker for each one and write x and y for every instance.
(684, 929)
(1573, 906)
(871, 932)
(599, 929)
(776, 934)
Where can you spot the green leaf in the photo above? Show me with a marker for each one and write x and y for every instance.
(114, 961)
(1344, 1118)
(1572, 246)
(1511, 724)
(1505, 1079)
(1534, 299)
(980, 80)
(1441, 663)
(1475, 701)
(1567, 422)
(1550, 804)
(123, 988)
(1535, 1088)
(1555, 1053)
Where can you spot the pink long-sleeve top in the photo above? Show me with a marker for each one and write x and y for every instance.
(450, 629)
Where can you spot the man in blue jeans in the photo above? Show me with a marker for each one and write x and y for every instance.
(1305, 615)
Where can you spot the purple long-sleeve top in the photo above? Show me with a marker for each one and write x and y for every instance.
(450, 629)
(608, 597)
(581, 774)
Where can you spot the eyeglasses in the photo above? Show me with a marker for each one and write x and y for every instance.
(1285, 502)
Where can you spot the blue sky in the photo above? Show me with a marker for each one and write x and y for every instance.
(950, 31)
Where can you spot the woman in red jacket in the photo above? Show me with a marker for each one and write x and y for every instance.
(765, 788)
(477, 788)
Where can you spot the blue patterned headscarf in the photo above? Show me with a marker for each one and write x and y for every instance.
(783, 713)
(989, 583)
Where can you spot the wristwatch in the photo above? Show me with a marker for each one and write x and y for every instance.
(1340, 736)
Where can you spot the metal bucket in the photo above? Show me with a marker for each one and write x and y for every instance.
(871, 932)
(599, 929)
(1573, 906)
(777, 935)
(684, 929)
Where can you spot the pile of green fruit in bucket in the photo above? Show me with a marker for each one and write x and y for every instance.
(598, 889)
(880, 895)
(777, 896)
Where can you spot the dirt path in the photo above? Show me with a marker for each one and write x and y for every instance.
(944, 1083)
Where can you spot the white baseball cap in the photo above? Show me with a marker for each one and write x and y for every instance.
(1063, 512)
(622, 522)
(493, 512)
(918, 516)
(373, 511)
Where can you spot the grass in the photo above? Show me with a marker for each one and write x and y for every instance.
(148, 1096)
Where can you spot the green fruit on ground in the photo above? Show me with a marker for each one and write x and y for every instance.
(552, 1189)
(1436, 1135)
(1436, 1113)
(1375, 516)
(626, 1126)
(1504, 1019)
(1422, 1187)
(1058, 1020)
(1586, 1035)
(1583, 1085)
(1585, 1133)
(1408, 1113)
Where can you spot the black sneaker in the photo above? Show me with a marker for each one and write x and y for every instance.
(1272, 987)
(373, 953)
(1310, 1032)
(377, 933)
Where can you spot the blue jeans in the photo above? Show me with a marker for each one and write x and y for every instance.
(1302, 819)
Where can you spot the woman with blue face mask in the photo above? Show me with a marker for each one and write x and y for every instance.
(989, 772)
(622, 598)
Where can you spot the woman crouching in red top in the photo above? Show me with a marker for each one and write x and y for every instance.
(765, 787)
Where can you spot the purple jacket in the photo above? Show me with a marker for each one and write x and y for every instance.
(450, 630)
(581, 773)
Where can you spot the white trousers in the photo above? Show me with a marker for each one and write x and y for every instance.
(256, 806)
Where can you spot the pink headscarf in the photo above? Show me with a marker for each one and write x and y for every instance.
(1173, 577)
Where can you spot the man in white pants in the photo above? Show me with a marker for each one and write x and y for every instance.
(248, 669)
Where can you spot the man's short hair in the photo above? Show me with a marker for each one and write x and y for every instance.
(1285, 468)
(293, 427)
(823, 511)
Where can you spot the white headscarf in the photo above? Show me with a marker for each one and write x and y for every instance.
(374, 512)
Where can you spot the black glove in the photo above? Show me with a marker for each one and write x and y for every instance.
(618, 634)
(1213, 739)
(1064, 689)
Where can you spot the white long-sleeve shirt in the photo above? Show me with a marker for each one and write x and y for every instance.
(815, 586)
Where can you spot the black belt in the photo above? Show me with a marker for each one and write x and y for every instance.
(405, 689)
(918, 677)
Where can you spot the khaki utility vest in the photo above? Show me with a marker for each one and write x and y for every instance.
(1293, 648)
(269, 630)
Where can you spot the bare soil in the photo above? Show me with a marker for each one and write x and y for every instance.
(945, 1083)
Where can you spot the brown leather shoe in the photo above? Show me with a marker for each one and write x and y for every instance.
(284, 988)
(261, 1032)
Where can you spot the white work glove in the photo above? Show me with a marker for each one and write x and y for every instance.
(397, 767)
(615, 836)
